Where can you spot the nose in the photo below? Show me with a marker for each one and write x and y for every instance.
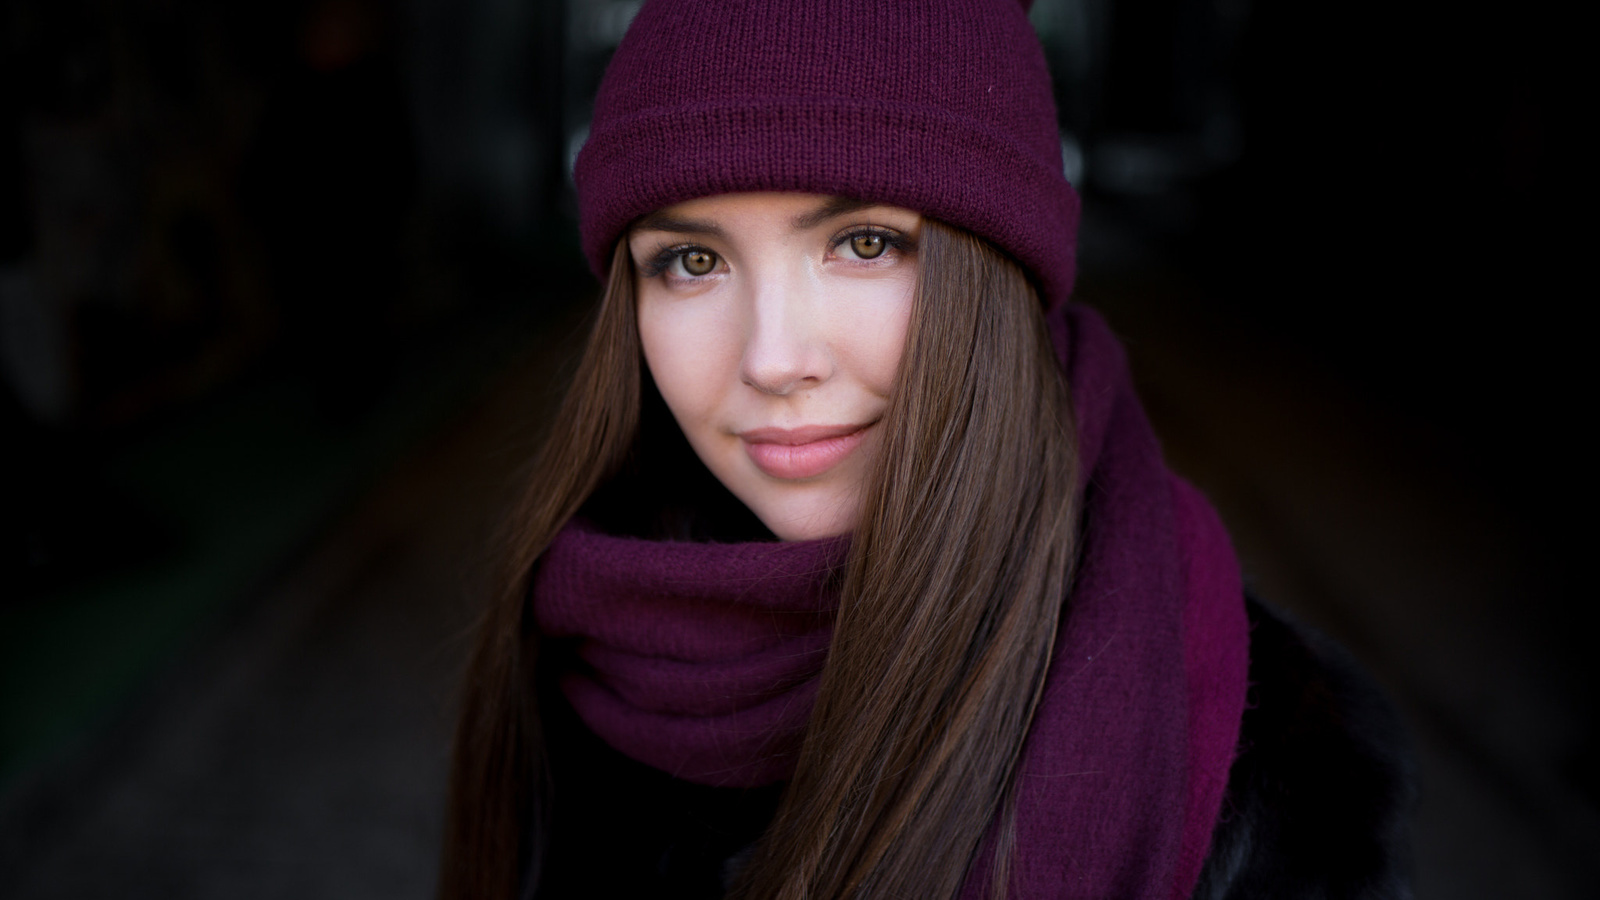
(786, 347)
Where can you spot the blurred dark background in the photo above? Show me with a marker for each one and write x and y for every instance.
(287, 288)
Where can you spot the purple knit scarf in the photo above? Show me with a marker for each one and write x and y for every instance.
(703, 659)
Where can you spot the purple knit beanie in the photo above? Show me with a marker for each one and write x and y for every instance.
(941, 106)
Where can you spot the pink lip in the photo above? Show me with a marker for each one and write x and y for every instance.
(794, 453)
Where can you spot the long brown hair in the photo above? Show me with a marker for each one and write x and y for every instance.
(951, 594)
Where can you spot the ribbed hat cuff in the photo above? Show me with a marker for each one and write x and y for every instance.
(923, 158)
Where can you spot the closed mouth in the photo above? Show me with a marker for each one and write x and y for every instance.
(805, 452)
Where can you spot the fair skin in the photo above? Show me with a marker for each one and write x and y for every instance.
(773, 324)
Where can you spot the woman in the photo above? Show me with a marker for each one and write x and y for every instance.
(996, 649)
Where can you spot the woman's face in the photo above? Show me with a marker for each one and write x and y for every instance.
(773, 325)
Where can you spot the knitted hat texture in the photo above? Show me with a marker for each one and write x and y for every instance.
(940, 106)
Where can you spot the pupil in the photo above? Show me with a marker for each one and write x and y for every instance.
(868, 246)
(699, 263)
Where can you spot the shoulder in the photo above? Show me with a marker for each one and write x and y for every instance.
(1319, 798)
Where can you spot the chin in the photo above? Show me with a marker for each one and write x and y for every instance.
(805, 522)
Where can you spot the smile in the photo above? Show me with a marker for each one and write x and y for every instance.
(795, 453)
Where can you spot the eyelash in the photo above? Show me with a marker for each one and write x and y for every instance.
(667, 254)
(892, 240)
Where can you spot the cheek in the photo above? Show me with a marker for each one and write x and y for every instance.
(875, 331)
(683, 349)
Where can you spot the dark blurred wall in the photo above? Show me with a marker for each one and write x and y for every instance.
(1387, 188)
(194, 194)
(191, 183)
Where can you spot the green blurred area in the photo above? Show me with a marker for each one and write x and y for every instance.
(243, 484)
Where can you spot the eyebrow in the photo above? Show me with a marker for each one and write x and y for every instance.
(660, 221)
(833, 206)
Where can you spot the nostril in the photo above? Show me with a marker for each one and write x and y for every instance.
(772, 382)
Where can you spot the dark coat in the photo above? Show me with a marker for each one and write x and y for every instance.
(1319, 798)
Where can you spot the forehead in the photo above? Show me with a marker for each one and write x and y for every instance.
(796, 212)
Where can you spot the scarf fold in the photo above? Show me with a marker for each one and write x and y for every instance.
(702, 660)
(698, 659)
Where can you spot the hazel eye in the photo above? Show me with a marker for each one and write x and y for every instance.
(698, 262)
(868, 246)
